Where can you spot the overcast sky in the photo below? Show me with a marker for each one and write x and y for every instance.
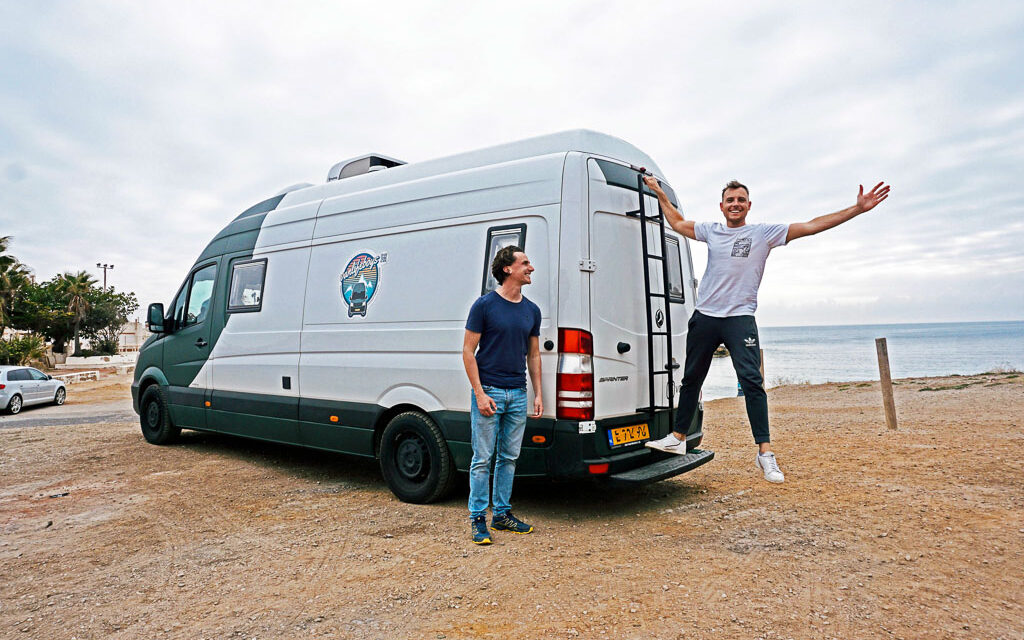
(131, 132)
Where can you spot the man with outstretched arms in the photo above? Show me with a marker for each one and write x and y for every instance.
(727, 299)
(506, 328)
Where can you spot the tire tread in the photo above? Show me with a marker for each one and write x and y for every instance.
(445, 464)
(167, 433)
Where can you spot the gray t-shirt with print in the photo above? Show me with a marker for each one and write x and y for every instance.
(736, 258)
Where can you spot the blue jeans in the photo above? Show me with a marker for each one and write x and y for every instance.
(502, 432)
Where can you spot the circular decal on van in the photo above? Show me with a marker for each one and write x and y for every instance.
(359, 281)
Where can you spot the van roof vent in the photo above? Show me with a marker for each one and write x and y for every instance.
(360, 165)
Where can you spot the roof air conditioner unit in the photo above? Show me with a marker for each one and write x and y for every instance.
(360, 165)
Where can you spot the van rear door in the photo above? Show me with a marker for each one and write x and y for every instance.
(617, 293)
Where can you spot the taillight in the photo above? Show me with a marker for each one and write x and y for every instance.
(574, 386)
(3, 386)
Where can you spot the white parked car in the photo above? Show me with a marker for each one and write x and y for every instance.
(24, 386)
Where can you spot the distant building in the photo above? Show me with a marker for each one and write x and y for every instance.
(10, 333)
(132, 336)
(130, 339)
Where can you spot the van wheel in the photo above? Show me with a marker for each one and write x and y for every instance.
(414, 459)
(60, 397)
(157, 427)
(14, 406)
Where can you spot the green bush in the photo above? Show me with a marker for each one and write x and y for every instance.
(105, 347)
(20, 350)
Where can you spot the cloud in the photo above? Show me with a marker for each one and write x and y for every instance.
(131, 133)
(15, 172)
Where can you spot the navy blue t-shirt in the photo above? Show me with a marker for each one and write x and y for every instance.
(505, 329)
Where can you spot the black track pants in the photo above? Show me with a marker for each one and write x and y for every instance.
(739, 334)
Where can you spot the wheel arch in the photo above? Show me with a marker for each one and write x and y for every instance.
(387, 416)
(402, 398)
(16, 394)
(149, 377)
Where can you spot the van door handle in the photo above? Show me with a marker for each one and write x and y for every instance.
(201, 343)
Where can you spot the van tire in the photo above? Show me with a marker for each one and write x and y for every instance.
(154, 417)
(415, 460)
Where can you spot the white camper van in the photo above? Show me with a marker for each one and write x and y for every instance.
(332, 316)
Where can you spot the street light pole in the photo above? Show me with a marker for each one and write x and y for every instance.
(105, 267)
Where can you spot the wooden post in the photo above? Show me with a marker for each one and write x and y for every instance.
(886, 378)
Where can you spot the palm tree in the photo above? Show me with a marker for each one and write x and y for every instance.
(5, 241)
(74, 286)
(13, 276)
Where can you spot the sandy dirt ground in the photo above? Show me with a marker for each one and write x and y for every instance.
(916, 533)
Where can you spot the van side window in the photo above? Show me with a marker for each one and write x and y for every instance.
(497, 239)
(675, 270)
(624, 177)
(178, 306)
(247, 279)
(200, 291)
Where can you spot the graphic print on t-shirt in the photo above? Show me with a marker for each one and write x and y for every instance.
(741, 248)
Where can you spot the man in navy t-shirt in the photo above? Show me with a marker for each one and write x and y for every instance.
(727, 299)
(506, 328)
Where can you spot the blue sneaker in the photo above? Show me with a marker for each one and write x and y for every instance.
(508, 522)
(480, 535)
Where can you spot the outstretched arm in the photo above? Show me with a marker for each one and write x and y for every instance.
(672, 215)
(865, 202)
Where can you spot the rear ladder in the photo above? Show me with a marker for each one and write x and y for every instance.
(649, 297)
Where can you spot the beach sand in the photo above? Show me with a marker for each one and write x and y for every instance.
(914, 533)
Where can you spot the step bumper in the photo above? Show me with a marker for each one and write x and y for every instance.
(662, 469)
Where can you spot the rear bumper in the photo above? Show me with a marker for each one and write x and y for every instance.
(671, 466)
(574, 455)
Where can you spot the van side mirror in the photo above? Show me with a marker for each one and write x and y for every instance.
(155, 319)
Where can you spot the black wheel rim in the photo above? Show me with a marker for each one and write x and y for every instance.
(412, 459)
(153, 416)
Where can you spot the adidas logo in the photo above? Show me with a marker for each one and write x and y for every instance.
(750, 342)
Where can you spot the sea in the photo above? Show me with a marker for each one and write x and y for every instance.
(844, 353)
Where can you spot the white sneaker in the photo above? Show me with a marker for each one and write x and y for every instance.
(766, 462)
(668, 444)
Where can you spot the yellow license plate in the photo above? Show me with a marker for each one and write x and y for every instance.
(624, 435)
